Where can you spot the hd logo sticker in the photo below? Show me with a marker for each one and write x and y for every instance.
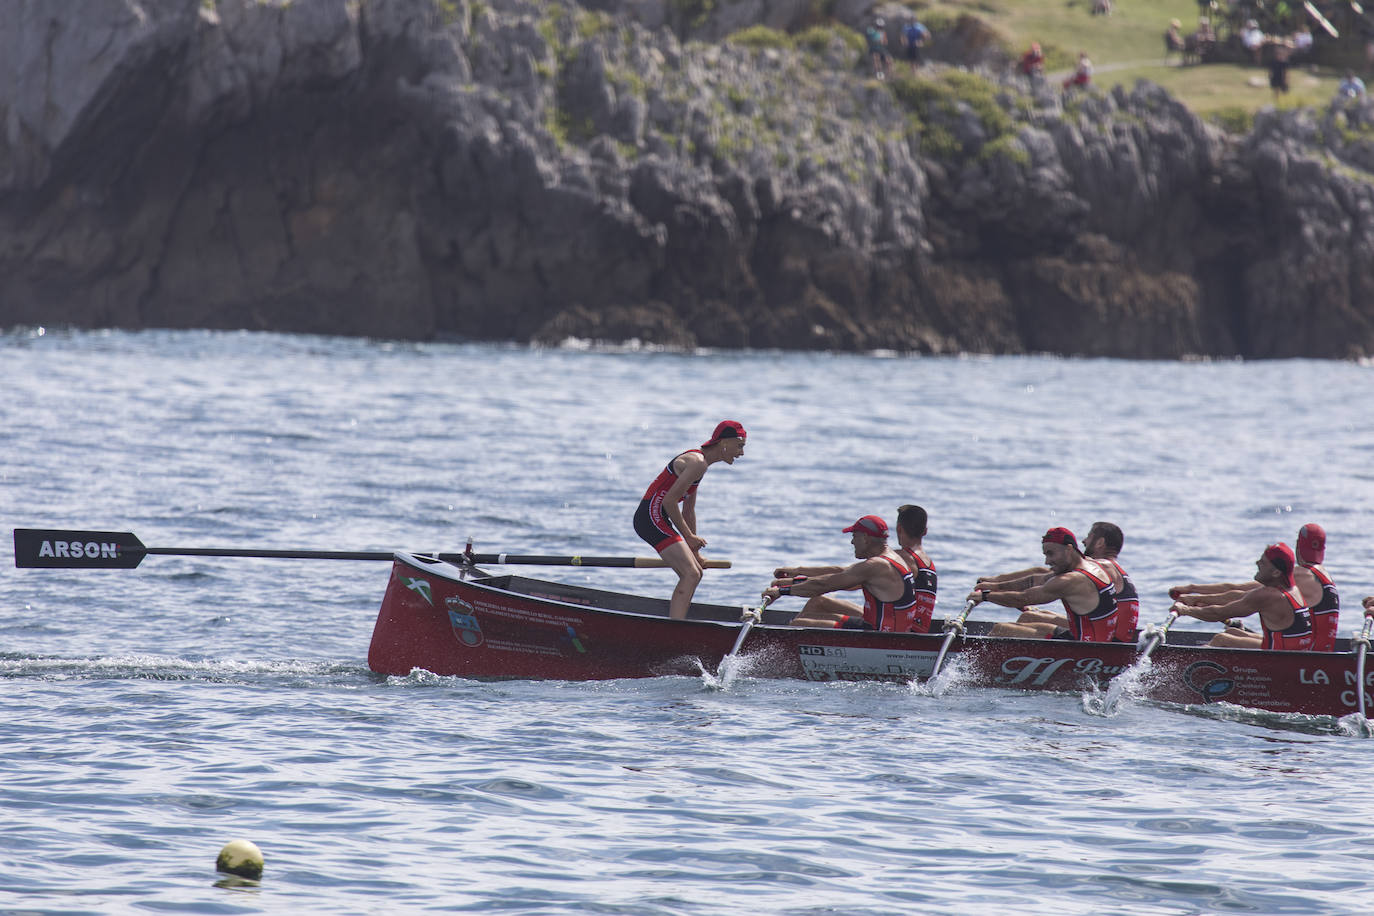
(463, 618)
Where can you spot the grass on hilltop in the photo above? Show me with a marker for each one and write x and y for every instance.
(1129, 45)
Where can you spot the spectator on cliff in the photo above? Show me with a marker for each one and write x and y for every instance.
(1351, 88)
(1198, 46)
(877, 47)
(1350, 99)
(1082, 74)
(1279, 59)
(1302, 45)
(1173, 40)
(1252, 40)
(914, 38)
(1032, 64)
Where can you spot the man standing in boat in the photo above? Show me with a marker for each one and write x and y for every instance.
(911, 529)
(1103, 544)
(1315, 587)
(1082, 585)
(1276, 599)
(667, 515)
(888, 585)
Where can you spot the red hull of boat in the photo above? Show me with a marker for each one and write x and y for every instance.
(434, 619)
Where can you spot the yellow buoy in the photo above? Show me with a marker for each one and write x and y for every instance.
(242, 858)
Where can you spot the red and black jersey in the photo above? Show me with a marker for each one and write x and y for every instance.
(651, 521)
(889, 615)
(1325, 613)
(1099, 624)
(1127, 606)
(922, 611)
(1298, 635)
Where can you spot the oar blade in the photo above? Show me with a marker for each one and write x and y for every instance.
(51, 548)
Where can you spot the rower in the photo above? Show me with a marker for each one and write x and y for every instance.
(1102, 543)
(1082, 585)
(912, 524)
(1276, 600)
(1315, 587)
(667, 515)
(888, 584)
(1326, 610)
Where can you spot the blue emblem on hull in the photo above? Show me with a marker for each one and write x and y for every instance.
(1203, 678)
(463, 618)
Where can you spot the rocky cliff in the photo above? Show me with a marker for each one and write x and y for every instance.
(651, 169)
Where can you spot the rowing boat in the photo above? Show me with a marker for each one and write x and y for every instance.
(460, 620)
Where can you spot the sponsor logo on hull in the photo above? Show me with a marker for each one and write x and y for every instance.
(842, 663)
(1205, 679)
(1028, 671)
(462, 616)
(420, 587)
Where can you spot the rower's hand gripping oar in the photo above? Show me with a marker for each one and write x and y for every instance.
(953, 627)
(46, 548)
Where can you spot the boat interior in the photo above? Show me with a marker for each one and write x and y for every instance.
(658, 607)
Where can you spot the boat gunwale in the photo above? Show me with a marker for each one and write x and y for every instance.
(467, 578)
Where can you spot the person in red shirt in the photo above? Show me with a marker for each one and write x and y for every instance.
(667, 515)
(911, 530)
(887, 583)
(1082, 585)
(1103, 544)
(1277, 601)
(1326, 610)
(1315, 587)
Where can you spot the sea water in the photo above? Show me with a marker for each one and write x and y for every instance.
(149, 716)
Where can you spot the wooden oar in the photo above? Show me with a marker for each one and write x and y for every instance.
(752, 615)
(58, 549)
(1363, 643)
(1156, 635)
(952, 629)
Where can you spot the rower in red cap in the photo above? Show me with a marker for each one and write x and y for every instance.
(1326, 610)
(1315, 587)
(1083, 586)
(667, 515)
(1102, 544)
(1276, 600)
(887, 581)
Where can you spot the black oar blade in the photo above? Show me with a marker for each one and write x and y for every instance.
(47, 548)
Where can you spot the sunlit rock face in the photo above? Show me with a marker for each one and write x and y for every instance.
(533, 171)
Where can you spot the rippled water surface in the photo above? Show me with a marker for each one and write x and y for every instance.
(150, 716)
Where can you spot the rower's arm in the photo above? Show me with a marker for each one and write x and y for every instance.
(1243, 606)
(688, 473)
(1015, 581)
(1210, 588)
(1053, 589)
(1215, 599)
(851, 576)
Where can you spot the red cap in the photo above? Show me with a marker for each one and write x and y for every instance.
(871, 525)
(1281, 556)
(726, 429)
(1061, 536)
(1312, 542)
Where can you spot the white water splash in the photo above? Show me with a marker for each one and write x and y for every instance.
(1355, 725)
(953, 675)
(1129, 684)
(731, 667)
